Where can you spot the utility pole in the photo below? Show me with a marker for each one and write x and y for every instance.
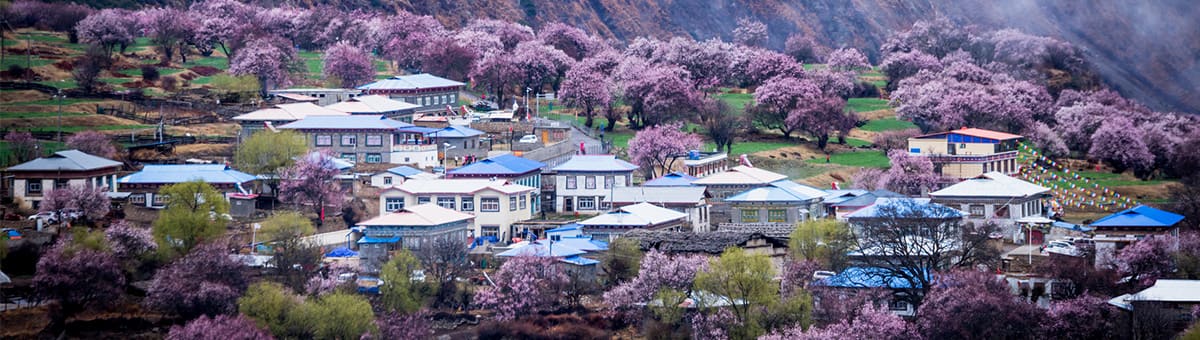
(59, 96)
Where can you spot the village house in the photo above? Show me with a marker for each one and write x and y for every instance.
(496, 204)
(514, 169)
(322, 96)
(430, 92)
(858, 280)
(269, 118)
(28, 181)
(375, 105)
(1174, 300)
(1113, 232)
(995, 197)
(144, 185)
(583, 183)
(611, 225)
(398, 175)
(411, 228)
(781, 201)
(737, 180)
(700, 164)
(368, 139)
(753, 241)
(692, 201)
(840, 203)
(968, 152)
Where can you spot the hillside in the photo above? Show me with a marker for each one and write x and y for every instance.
(1144, 49)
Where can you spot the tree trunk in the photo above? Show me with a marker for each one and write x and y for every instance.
(590, 117)
(822, 141)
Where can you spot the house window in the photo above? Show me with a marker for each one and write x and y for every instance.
(898, 305)
(349, 140)
(350, 157)
(324, 140)
(34, 186)
(422, 199)
(523, 203)
(468, 203)
(749, 215)
(589, 182)
(976, 211)
(490, 230)
(604, 205)
(387, 179)
(160, 199)
(393, 203)
(489, 204)
(609, 181)
(587, 203)
(374, 158)
(512, 203)
(776, 215)
(137, 199)
(446, 202)
(571, 182)
(374, 140)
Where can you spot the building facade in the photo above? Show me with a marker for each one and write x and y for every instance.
(412, 228)
(144, 185)
(28, 182)
(782, 201)
(369, 139)
(583, 183)
(496, 205)
(689, 200)
(995, 197)
(968, 152)
(270, 118)
(324, 96)
(514, 169)
(429, 92)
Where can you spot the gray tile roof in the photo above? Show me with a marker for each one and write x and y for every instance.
(179, 173)
(672, 195)
(596, 163)
(370, 122)
(410, 82)
(68, 160)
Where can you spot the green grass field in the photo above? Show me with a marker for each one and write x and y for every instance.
(887, 124)
(750, 147)
(162, 71)
(19, 115)
(858, 143)
(62, 84)
(66, 101)
(873, 159)
(215, 62)
(736, 101)
(810, 67)
(867, 104)
(1107, 179)
(11, 60)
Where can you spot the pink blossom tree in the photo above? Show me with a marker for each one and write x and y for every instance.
(540, 64)
(965, 304)
(1146, 261)
(77, 276)
(762, 65)
(90, 203)
(869, 179)
(1120, 144)
(496, 73)
(901, 65)
(92, 143)
(312, 182)
(168, 28)
(220, 327)
(206, 281)
(847, 59)
(587, 89)
(1078, 122)
(894, 139)
(415, 326)
(127, 242)
(445, 56)
(803, 48)
(21, 145)
(1050, 142)
(1084, 317)
(226, 23)
(909, 174)
(107, 28)
(523, 285)
(267, 59)
(820, 117)
(349, 65)
(871, 323)
(750, 32)
(669, 99)
(658, 271)
(657, 147)
(509, 33)
(707, 63)
(778, 97)
(571, 40)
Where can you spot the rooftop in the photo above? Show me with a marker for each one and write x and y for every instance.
(457, 186)
(410, 172)
(66, 160)
(359, 122)
(292, 111)
(662, 195)
(974, 132)
(499, 165)
(842, 195)
(741, 175)
(372, 104)
(904, 206)
(868, 198)
(991, 184)
(866, 277)
(596, 163)
(674, 179)
(641, 214)
(455, 131)
(685, 242)
(1170, 291)
(779, 191)
(179, 173)
(541, 248)
(411, 82)
(1139, 216)
(428, 214)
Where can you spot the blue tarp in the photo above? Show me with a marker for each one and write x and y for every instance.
(342, 252)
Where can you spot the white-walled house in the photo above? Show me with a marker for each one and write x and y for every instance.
(30, 180)
(145, 184)
(583, 183)
(995, 197)
(398, 175)
(496, 204)
(691, 200)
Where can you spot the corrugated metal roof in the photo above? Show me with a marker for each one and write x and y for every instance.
(458, 186)
(779, 191)
(867, 277)
(291, 111)
(406, 171)
(179, 173)
(740, 175)
(66, 160)
(596, 163)
(872, 211)
(674, 179)
(868, 198)
(427, 214)
(674, 195)
(499, 165)
(1164, 290)
(542, 249)
(455, 131)
(372, 104)
(410, 82)
(368, 122)
(976, 132)
(1139, 216)
(641, 214)
(991, 184)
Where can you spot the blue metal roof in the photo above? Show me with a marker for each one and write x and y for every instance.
(418, 129)
(867, 277)
(674, 179)
(371, 122)
(499, 165)
(404, 170)
(581, 243)
(1139, 216)
(373, 240)
(579, 261)
(179, 173)
(411, 82)
(455, 131)
(568, 227)
(541, 249)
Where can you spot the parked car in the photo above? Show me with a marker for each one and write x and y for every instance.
(822, 274)
(528, 139)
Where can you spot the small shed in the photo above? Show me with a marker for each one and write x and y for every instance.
(242, 205)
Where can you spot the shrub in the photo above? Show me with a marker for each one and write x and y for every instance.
(169, 83)
(149, 73)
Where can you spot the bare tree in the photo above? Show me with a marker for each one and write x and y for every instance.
(445, 261)
(909, 240)
(720, 124)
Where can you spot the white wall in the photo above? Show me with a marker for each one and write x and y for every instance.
(503, 218)
(599, 192)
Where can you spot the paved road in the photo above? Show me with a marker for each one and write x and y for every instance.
(592, 145)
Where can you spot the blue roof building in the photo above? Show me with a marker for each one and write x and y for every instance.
(145, 184)
(1131, 224)
(514, 169)
(781, 201)
(459, 141)
(674, 179)
(877, 278)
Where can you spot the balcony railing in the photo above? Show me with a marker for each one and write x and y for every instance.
(944, 158)
(414, 147)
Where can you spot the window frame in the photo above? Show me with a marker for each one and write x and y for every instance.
(610, 181)
(748, 214)
(451, 201)
(776, 215)
(468, 203)
(349, 140)
(387, 179)
(424, 199)
(485, 202)
(590, 203)
(572, 182)
(378, 140)
(512, 202)
(378, 158)
(328, 140)
(29, 186)
(388, 203)
(589, 182)
(489, 230)
(524, 201)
